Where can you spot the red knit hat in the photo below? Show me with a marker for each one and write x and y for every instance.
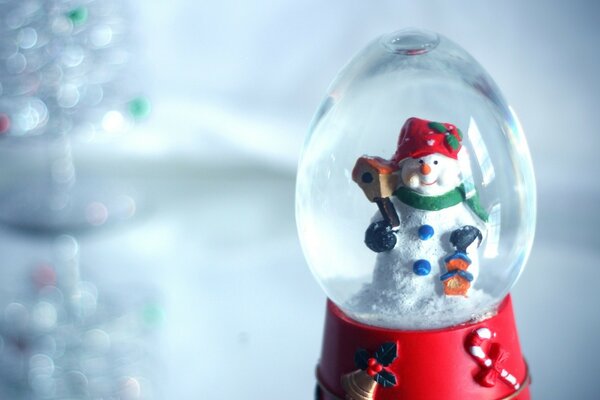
(419, 138)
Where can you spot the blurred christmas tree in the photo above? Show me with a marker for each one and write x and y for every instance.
(65, 75)
(60, 339)
(65, 72)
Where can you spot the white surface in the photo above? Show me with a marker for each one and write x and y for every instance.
(240, 304)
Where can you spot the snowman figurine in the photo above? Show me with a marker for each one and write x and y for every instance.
(427, 228)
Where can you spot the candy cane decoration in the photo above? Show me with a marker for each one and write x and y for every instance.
(492, 364)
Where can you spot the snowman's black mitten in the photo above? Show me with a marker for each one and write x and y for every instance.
(463, 237)
(379, 237)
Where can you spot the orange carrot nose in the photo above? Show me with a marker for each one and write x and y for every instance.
(425, 169)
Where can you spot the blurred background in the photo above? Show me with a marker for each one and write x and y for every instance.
(148, 244)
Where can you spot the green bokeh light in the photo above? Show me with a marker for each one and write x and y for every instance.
(78, 15)
(153, 314)
(140, 107)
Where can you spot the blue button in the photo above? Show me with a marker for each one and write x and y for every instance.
(422, 267)
(425, 232)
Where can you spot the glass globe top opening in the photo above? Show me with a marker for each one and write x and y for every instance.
(410, 42)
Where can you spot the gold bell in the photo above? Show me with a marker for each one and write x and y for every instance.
(358, 385)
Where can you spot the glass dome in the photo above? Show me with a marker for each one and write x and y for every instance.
(415, 197)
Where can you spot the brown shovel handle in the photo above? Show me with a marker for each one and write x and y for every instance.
(388, 211)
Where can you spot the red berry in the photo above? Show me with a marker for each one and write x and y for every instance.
(377, 367)
(4, 123)
(370, 372)
(44, 275)
(371, 362)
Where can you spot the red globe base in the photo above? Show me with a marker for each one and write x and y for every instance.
(480, 360)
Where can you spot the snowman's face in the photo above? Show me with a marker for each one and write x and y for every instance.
(430, 175)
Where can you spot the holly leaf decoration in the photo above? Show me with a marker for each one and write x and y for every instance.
(453, 142)
(361, 358)
(460, 134)
(385, 378)
(386, 354)
(438, 127)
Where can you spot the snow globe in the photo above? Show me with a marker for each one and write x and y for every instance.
(415, 206)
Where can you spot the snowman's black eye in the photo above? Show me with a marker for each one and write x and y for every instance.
(420, 161)
(435, 162)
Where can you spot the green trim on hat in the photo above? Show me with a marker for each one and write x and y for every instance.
(437, 126)
(452, 142)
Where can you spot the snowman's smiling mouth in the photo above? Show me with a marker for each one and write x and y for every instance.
(428, 184)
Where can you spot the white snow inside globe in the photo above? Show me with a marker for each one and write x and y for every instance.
(415, 198)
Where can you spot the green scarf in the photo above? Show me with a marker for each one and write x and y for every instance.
(435, 203)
